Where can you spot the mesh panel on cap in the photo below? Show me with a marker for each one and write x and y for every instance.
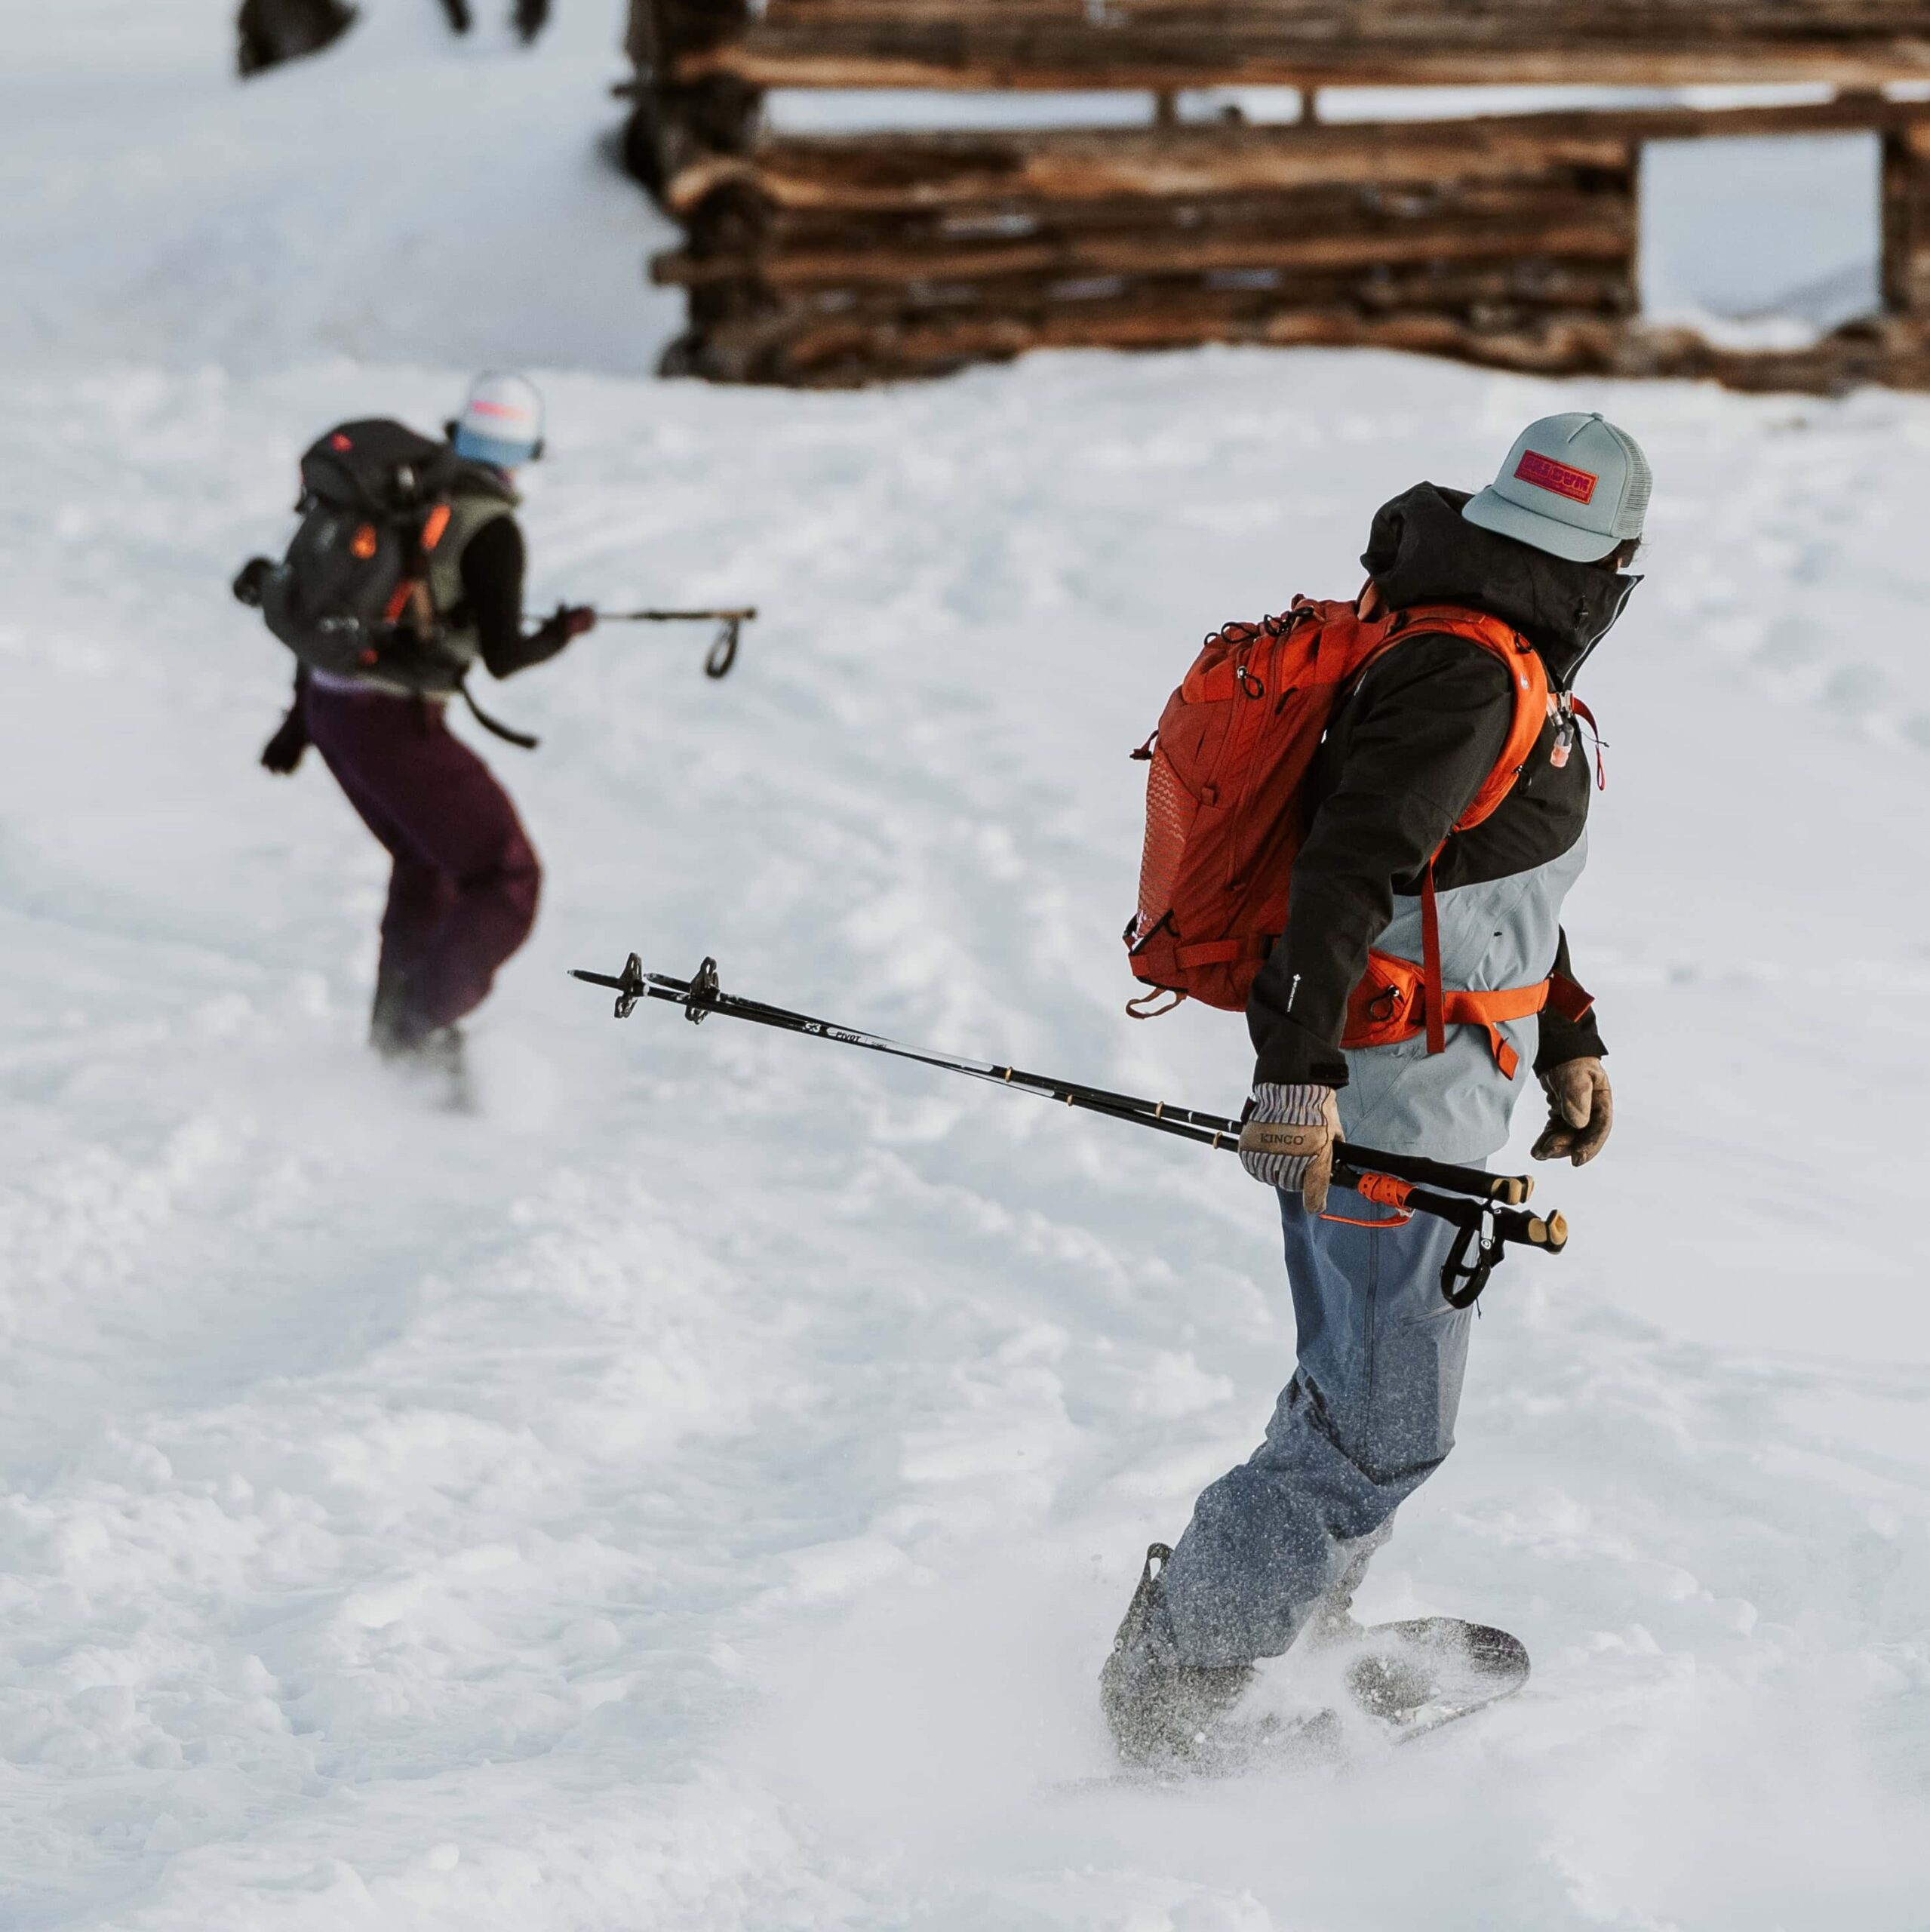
(1634, 510)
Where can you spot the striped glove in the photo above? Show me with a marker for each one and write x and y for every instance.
(1288, 1140)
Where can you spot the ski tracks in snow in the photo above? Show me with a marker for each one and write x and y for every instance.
(698, 1492)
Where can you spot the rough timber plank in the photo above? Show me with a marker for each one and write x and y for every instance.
(1155, 44)
(1597, 237)
(934, 169)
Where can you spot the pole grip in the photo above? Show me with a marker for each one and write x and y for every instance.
(1551, 1234)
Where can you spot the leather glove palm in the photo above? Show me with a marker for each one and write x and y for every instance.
(1581, 1111)
(1288, 1140)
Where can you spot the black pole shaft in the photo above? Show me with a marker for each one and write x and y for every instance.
(1487, 1229)
(676, 616)
(1216, 1130)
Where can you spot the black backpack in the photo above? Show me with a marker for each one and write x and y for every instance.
(352, 596)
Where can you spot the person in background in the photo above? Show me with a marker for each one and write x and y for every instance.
(269, 31)
(464, 880)
(530, 17)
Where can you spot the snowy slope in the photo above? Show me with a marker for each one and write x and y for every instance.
(698, 1493)
(403, 195)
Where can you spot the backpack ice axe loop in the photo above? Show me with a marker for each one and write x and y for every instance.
(1487, 1208)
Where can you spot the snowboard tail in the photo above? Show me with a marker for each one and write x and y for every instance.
(1413, 1678)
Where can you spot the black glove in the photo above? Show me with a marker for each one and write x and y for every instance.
(565, 622)
(283, 752)
(568, 621)
(247, 585)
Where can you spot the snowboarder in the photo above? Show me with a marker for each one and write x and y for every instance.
(530, 17)
(463, 889)
(1276, 1547)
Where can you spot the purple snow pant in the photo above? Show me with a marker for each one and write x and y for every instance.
(462, 894)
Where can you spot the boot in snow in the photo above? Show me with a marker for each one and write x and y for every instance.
(440, 1059)
(437, 1059)
(390, 1033)
(1333, 1621)
(1163, 1714)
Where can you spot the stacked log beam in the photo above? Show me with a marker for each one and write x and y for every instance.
(943, 169)
(1161, 45)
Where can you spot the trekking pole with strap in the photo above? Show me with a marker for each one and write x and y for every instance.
(1486, 1208)
(722, 652)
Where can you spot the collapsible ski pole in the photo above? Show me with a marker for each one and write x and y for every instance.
(1489, 1221)
(674, 616)
(722, 652)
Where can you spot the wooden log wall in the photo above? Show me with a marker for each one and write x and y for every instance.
(687, 107)
(1507, 241)
(1511, 241)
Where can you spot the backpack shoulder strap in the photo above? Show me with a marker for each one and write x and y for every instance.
(1528, 678)
(469, 511)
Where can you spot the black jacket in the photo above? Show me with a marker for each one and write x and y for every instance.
(492, 570)
(1404, 754)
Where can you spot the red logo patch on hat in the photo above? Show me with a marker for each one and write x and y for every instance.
(1547, 474)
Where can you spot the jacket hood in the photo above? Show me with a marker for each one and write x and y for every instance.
(1421, 550)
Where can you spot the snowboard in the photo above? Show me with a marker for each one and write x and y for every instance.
(1414, 1677)
(1389, 1683)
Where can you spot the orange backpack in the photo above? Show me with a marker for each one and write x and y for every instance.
(1226, 814)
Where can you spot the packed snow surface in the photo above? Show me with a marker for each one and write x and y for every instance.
(696, 1492)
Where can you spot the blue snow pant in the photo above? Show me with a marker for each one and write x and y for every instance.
(1368, 1417)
